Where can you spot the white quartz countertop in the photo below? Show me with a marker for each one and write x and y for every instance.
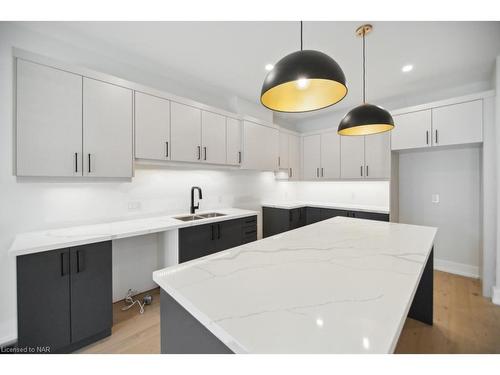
(33, 242)
(342, 285)
(340, 206)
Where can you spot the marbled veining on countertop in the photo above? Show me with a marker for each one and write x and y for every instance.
(338, 286)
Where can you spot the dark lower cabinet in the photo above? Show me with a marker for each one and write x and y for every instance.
(201, 240)
(64, 297)
(278, 220)
(313, 215)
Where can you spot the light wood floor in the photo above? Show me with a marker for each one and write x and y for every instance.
(464, 322)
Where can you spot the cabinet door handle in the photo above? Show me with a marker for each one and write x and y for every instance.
(367, 171)
(279, 161)
(322, 174)
(218, 231)
(79, 261)
(437, 141)
(290, 173)
(239, 157)
(361, 169)
(205, 153)
(426, 137)
(199, 152)
(64, 264)
(76, 162)
(90, 168)
(317, 172)
(166, 149)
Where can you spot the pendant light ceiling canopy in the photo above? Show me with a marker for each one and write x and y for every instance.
(365, 119)
(303, 81)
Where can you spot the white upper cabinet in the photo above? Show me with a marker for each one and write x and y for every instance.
(233, 141)
(294, 157)
(378, 156)
(213, 138)
(440, 126)
(261, 147)
(412, 130)
(152, 127)
(311, 157)
(48, 121)
(352, 156)
(330, 155)
(458, 123)
(283, 159)
(107, 130)
(185, 132)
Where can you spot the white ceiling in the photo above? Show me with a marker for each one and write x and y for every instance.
(232, 55)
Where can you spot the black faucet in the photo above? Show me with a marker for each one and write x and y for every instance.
(193, 207)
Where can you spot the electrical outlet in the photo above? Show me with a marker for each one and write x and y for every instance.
(134, 205)
(435, 198)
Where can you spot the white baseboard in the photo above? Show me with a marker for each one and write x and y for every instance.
(456, 268)
(495, 298)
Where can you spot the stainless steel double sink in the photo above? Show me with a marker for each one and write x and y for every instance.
(194, 217)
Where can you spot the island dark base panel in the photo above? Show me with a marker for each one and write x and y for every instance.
(182, 333)
(422, 307)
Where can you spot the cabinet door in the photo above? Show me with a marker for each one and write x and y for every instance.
(274, 221)
(294, 157)
(43, 299)
(297, 218)
(261, 147)
(233, 141)
(229, 234)
(330, 155)
(152, 127)
(283, 158)
(196, 242)
(48, 121)
(213, 138)
(411, 130)
(352, 156)
(458, 123)
(311, 157)
(313, 215)
(107, 130)
(185, 132)
(378, 156)
(91, 290)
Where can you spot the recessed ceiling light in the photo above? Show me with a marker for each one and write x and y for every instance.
(407, 68)
(269, 67)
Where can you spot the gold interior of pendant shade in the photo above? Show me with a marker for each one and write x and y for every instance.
(317, 93)
(366, 129)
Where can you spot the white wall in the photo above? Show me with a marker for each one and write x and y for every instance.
(454, 174)
(370, 193)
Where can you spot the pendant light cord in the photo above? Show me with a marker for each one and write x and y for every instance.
(301, 42)
(364, 70)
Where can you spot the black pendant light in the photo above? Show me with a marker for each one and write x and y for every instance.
(303, 81)
(367, 118)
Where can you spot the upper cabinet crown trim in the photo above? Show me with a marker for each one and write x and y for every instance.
(108, 78)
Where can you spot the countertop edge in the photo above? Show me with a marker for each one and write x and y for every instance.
(292, 205)
(88, 239)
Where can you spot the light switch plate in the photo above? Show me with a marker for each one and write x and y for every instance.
(435, 198)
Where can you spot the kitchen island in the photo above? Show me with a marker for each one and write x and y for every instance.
(342, 285)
